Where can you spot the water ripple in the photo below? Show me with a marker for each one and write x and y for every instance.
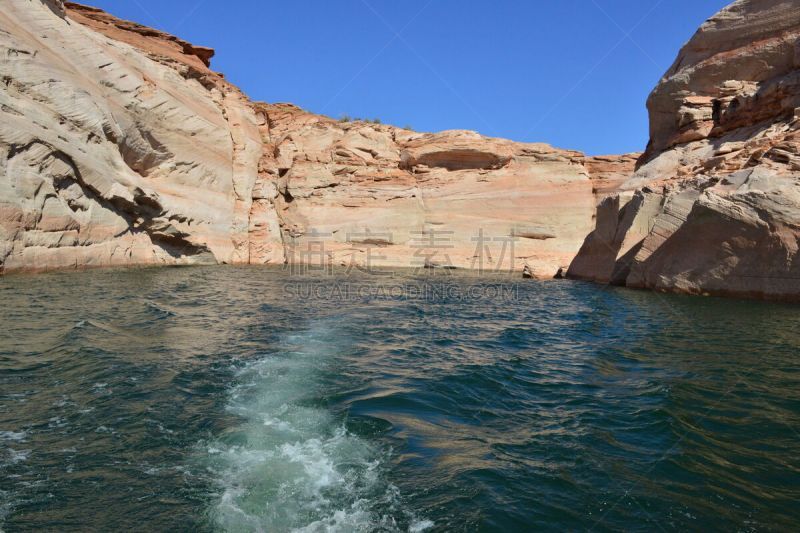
(214, 399)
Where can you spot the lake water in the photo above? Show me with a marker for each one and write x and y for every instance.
(247, 399)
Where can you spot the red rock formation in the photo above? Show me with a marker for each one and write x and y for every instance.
(609, 172)
(738, 70)
(152, 41)
(117, 152)
(714, 207)
(186, 169)
(119, 145)
(359, 193)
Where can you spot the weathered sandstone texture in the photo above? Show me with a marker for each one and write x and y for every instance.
(366, 194)
(609, 172)
(117, 153)
(714, 206)
(119, 146)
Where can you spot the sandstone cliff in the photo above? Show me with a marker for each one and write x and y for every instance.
(112, 153)
(390, 197)
(119, 146)
(714, 206)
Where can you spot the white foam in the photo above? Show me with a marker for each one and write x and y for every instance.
(16, 436)
(57, 422)
(292, 466)
(420, 525)
(18, 456)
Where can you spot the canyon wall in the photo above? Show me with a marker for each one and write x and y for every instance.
(110, 155)
(120, 146)
(352, 193)
(714, 205)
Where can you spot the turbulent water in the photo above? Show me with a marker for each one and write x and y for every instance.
(242, 399)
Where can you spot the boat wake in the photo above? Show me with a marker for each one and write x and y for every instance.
(291, 465)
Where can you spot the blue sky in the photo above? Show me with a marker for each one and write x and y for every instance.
(573, 73)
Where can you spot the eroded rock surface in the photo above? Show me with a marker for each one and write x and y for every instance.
(361, 194)
(119, 145)
(714, 206)
(609, 172)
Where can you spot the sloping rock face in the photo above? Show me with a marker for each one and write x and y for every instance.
(609, 172)
(714, 206)
(119, 146)
(358, 194)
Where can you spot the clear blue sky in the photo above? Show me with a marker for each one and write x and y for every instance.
(573, 73)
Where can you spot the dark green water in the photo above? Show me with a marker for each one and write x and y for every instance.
(245, 400)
